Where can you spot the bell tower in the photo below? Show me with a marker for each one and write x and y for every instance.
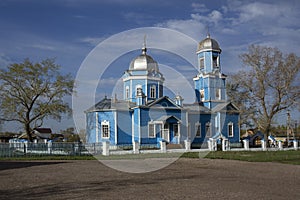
(209, 83)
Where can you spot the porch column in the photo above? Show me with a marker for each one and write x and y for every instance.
(225, 145)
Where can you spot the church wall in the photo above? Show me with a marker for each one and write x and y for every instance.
(202, 119)
(110, 117)
(124, 127)
(226, 118)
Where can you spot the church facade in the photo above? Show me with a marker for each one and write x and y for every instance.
(146, 116)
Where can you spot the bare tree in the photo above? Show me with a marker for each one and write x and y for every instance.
(267, 85)
(31, 92)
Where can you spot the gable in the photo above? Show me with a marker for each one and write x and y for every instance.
(165, 102)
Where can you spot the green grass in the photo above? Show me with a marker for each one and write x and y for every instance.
(288, 157)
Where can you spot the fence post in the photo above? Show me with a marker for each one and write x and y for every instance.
(280, 145)
(49, 147)
(246, 144)
(105, 148)
(263, 145)
(163, 146)
(295, 144)
(187, 144)
(136, 147)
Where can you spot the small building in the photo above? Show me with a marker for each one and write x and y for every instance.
(146, 116)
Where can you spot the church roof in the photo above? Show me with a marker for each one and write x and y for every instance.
(209, 44)
(228, 106)
(144, 62)
(108, 104)
(196, 107)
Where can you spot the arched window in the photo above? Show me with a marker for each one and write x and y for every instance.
(153, 91)
(202, 95)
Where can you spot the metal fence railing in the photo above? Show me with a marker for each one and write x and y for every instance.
(17, 149)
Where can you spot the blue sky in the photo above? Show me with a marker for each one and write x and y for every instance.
(69, 29)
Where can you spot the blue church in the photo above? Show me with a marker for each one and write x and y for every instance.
(146, 116)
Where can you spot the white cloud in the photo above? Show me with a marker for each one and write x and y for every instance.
(199, 7)
(92, 40)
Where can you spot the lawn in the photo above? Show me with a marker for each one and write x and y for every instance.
(288, 157)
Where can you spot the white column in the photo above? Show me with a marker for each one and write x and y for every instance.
(136, 147)
(263, 145)
(163, 146)
(246, 144)
(280, 145)
(295, 142)
(187, 145)
(105, 148)
(49, 147)
(225, 145)
(209, 145)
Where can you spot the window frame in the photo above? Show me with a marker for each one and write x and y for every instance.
(154, 130)
(201, 63)
(153, 91)
(105, 129)
(230, 131)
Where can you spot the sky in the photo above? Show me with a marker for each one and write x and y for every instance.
(71, 30)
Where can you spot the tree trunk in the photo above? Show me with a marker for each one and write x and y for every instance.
(28, 132)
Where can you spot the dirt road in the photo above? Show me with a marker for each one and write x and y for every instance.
(184, 179)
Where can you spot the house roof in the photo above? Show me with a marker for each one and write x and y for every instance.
(43, 130)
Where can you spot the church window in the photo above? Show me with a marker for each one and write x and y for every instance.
(105, 129)
(153, 91)
(202, 95)
(218, 94)
(215, 61)
(208, 129)
(176, 130)
(151, 130)
(198, 129)
(230, 129)
(127, 92)
(201, 63)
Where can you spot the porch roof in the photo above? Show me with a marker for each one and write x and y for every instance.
(166, 118)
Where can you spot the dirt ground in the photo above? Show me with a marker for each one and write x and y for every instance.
(184, 179)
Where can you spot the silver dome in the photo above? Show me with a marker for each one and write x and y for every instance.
(209, 44)
(143, 62)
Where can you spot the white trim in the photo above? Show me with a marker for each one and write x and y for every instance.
(152, 90)
(130, 94)
(105, 123)
(232, 131)
(142, 77)
(154, 130)
(132, 127)
(116, 130)
(97, 128)
(139, 124)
